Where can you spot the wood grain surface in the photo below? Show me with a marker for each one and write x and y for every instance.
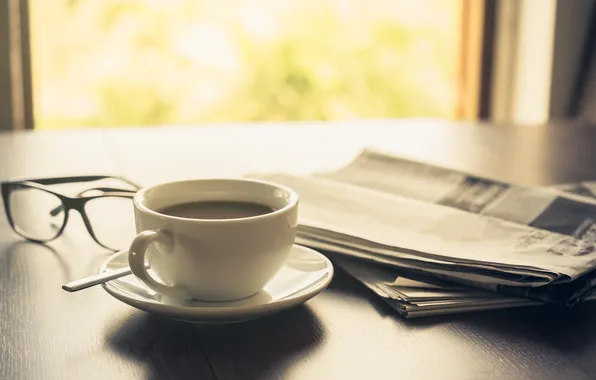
(345, 332)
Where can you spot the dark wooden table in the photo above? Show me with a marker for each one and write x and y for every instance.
(344, 333)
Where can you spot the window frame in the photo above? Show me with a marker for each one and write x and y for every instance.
(16, 109)
(477, 32)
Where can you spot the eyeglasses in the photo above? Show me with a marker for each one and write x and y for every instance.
(40, 214)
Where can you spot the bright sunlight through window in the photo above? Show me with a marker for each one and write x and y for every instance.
(141, 62)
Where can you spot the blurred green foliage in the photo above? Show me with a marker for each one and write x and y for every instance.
(321, 67)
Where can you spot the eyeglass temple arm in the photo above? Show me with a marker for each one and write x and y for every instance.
(106, 190)
(87, 178)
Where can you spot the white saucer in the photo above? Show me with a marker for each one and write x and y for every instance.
(305, 274)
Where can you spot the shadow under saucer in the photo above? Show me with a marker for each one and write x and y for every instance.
(175, 349)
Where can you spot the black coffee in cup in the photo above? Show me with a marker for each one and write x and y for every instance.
(216, 210)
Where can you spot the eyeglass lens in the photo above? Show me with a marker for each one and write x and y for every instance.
(30, 210)
(112, 220)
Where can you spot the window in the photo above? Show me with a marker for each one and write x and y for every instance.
(149, 62)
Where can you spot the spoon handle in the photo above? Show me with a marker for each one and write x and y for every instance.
(97, 279)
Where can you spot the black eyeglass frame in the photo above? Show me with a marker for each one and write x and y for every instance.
(68, 203)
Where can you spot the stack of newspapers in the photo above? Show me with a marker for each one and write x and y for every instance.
(431, 240)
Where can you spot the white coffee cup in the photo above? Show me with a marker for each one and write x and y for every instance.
(212, 259)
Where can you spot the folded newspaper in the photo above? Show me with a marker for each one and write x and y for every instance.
(504, 244)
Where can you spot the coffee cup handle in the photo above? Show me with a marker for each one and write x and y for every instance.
(136, 261)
